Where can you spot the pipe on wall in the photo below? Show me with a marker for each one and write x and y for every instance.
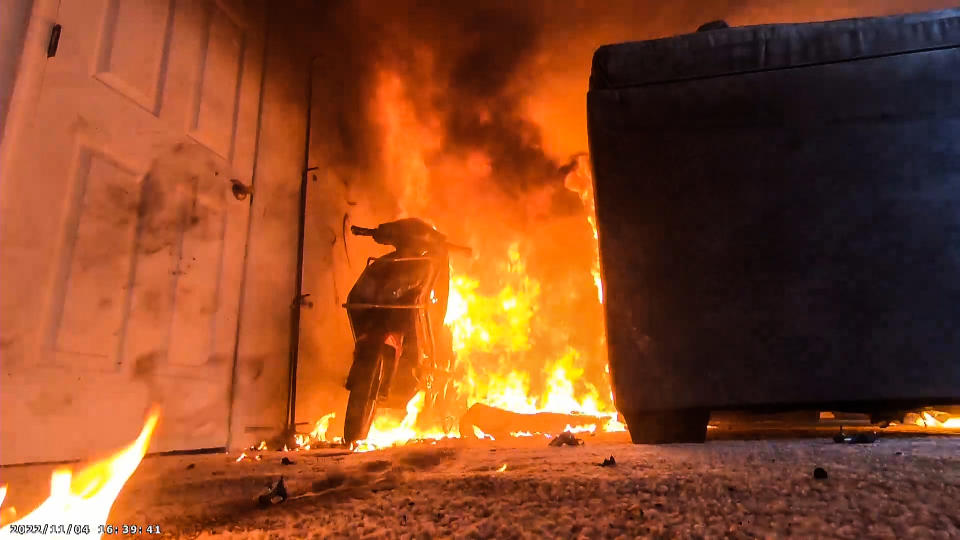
(297, 304)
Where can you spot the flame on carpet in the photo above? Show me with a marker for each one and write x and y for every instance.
(84, 499)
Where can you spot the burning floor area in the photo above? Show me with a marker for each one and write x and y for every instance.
(894, 487)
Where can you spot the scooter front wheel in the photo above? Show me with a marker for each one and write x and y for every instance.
(362, 403)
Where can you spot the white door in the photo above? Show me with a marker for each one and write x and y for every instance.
(121, 240)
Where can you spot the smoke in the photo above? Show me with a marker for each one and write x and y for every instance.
(462, 64)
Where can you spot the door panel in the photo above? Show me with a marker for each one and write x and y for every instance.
(98, 254)
(135, 72)
(220, 72)
(121, 243)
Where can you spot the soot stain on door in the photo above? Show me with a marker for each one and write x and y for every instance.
(182, 190)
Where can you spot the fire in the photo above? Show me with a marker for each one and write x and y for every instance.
(478, 433)
(484, 323)
(318, 434)
(85, 499)
(591, 428)
(580, 181)
(320, 430)
(8, 514)
(929, 419)
(501, 322)
(509, 355)
(387, 430)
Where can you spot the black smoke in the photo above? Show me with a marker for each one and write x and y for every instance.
(478, 54)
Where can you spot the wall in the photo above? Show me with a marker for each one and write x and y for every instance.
(333, 258)
(14, 15)
(261, 371)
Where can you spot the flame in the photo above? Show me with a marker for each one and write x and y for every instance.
(319, 433)
(387, 430)
(580, 181)
(502, 468)
(589, 428)
(501, 322)
(8, 514)
(495, 309)
(85, 499)
(323, 424)
(478, 433)
(243, 455)
(929, 420)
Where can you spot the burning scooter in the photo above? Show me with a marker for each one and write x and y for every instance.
(396, 310)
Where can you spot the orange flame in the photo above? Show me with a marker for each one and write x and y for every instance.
(318, 434)
(85, 499)
(589, 428)
(478, 433)
(928, 420)
(493, 324)
(580, 181)
(387, 430)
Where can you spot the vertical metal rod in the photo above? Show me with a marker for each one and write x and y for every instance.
(298, 298)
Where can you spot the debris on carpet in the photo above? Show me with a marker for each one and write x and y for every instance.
(500, 423)
(863, 437)
(566, 439)
(275, 494)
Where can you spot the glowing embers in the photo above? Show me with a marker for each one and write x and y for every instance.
(83, 500)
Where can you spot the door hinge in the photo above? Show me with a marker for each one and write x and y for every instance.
(301, 301)
(54, 41)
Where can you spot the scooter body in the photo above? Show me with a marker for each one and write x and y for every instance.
(396, 311)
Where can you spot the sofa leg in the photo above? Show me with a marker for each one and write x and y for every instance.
(664, 427)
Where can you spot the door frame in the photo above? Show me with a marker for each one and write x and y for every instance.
(28, 73)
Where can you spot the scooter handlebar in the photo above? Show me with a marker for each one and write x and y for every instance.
(361, 231)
